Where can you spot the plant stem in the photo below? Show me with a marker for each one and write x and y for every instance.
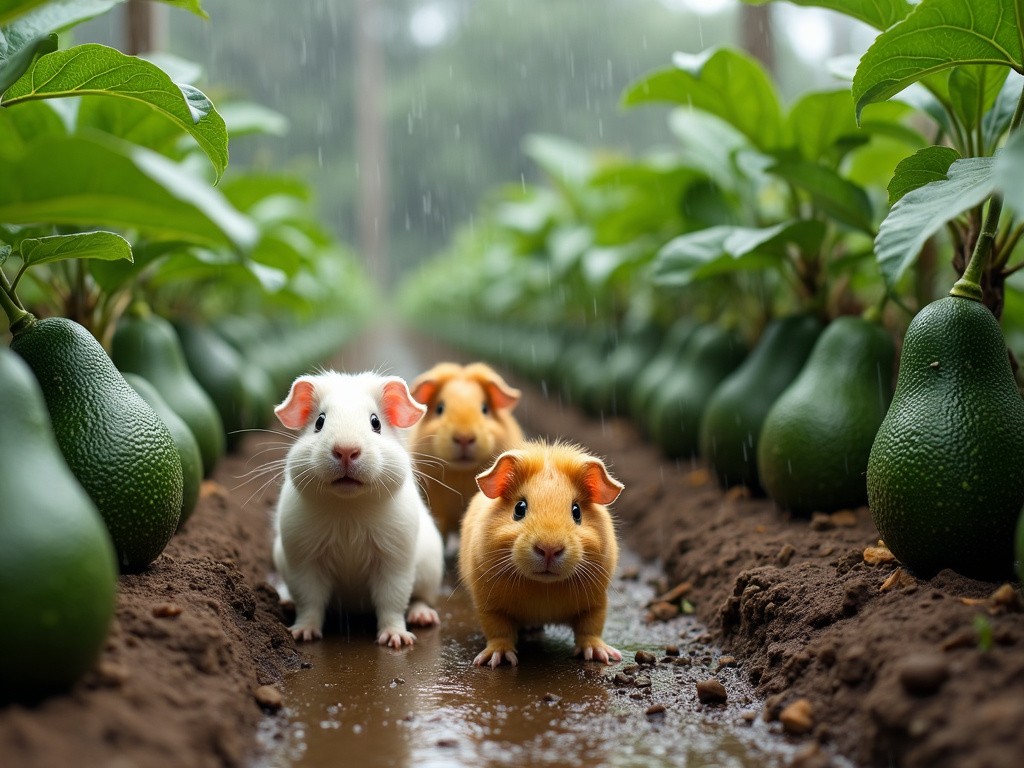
(17, 317)
(969, 286)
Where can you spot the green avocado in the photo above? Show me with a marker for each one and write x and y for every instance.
(58, 575)
(736, 411)
(945, 484)
(813, 448)
(146, 344)
(113, 441)
(653, 372)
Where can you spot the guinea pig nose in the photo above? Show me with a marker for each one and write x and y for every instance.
(346, 454)
(464, 440)
(549, 551)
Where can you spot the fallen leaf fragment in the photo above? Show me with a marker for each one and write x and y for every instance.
(898, 579)
(878, 555)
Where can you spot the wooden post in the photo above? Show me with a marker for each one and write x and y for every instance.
(756, 34)
(145, 27)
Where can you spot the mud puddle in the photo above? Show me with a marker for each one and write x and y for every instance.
(362, 705)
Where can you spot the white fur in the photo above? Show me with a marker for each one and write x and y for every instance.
(372, 547)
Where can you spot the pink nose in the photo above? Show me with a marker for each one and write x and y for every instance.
(346, 454)
(465, 441)
(550, 552)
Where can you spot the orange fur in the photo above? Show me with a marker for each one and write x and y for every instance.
(450, 448)
(507, 563)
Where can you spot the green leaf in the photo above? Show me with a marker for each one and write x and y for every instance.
(55, 14)
(93, 69)
(21, 127)
(939, 35)
(129, 120)
(843, 200)
(567, 163)
(1009, 179)
(718, 250)
(85, 182)
(818, 121)
(245, 118)
(14, 66)
(720, 81)
(973, 91)
(921, 212)
(997, 120)
(923, 167)
(880, 14)
(106, 246)
(193, 6)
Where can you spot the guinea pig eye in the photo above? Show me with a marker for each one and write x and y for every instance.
(519, 511)
(484, 409)
(374, 423)
(320, 422)
(577, 513)
(439, 409)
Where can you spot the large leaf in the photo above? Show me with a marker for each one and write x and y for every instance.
(106, 246)
(921, 212)
(19, 128)
(1009, 179)
(939, 35)
(14, 66)
(86, 182)
(973, 91)
(94, 69)
(721, 81)
(247, 118)
(843, 200)
(18, 9)
(718, 250)
(17, 17)
(923, 167)
(997, 120)
(819, 120)
(880, 14)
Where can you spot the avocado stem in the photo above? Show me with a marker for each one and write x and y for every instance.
(18, 319)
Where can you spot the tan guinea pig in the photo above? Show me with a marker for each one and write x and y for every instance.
(469, 421)
(538, 547)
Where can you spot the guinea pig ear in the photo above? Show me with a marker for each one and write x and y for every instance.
(601, 487)
(495, 481)
(426, 386)
(400, 409)
(294, 411)
(500, 394)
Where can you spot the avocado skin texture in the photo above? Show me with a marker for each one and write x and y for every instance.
(113, 441)
(58, 576)
(148, 345)
(651, 375)
(736, 411)
(945, 479)
(678, 406)
(813, 448)
(184, 441)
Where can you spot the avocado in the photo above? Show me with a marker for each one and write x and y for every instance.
(678, 405)
(944, 482)
(146, 344)
(221, 371)
(1019, 549)
(613, 388)
(736, 411)
(652, 373)
(113, 441)
(58, 575)
(813, 448)
(184, 441)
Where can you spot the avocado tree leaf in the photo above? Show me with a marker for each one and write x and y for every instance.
(819, 120)
(94, 69)
(845, 201)
(723, 82)
(107, 246)
(18, 17)
(938, 35)
(97, 181)
(880, 14)
(973, 90)
(923, 167)
(921, 212)
(14, 66)
(1009, 180)
(718, 250)
(997, 120)
(193, 6)
(245, 118)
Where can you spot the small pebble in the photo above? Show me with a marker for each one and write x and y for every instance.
(643, 681)
(552, 698)
(447, 743)
(167, 610)
(681, 661)
(111, 673)
(662, 611)
(711, 692)
(671, 650)
(630, 573)
(726, 661)
(631, 669)
(785, 555)
(269, 698)
(646, 658)
(621, 679)
(655, 710)
(923, 674)
(798, 718)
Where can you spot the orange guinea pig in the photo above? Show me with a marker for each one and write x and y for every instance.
(469, 421)
(538, 547)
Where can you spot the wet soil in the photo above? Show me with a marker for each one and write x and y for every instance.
(848, 659)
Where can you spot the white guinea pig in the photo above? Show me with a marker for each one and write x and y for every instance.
(351, 525)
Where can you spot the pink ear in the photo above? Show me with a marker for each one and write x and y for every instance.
(294, 411)
(498, 392)
(426, 386)
(399, 407)
(496, 480)
(602, 487)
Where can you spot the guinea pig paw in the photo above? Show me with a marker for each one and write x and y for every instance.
(395, 638)
(305, 632)
(422, 615)
(599, 651)
(492, 658)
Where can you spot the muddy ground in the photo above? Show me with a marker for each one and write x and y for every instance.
(893, 671)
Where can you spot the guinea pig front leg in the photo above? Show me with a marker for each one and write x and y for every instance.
(501, 632)
(390, 593)
(311, 594)
(587, 628)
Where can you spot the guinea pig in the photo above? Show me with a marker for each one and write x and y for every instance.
(538, 547)
(351, 525)
(469, 421)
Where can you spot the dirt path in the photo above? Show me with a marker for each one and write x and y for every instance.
(922, 674)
